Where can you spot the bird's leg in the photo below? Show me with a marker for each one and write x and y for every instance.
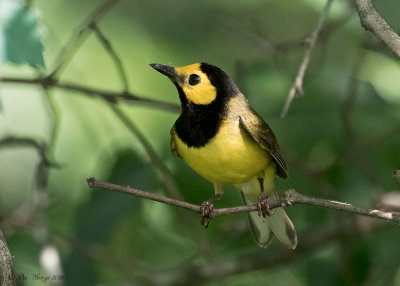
(207, 207)
(263, 201)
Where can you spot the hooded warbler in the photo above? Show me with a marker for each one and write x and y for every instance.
(224, 140)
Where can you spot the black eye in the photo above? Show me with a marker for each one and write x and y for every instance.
(194, 79)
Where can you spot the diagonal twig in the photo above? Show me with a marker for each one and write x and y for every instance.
(110, 50)
(297, 87)
(66, 53)
(372, 21)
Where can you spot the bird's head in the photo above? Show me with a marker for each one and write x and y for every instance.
(200, 83)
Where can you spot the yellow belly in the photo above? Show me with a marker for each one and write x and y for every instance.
(231, 157)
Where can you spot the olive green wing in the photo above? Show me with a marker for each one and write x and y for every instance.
(174, 148)
(263, 135)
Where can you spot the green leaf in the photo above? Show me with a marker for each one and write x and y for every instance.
(20, 35)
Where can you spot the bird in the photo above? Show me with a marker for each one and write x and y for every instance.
(227, 142)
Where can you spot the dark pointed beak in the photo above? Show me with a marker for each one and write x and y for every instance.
(166, 70)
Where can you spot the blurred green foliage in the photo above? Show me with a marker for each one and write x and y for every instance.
(20, 34)
(109, 238)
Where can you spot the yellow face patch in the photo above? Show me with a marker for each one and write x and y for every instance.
(198, 92)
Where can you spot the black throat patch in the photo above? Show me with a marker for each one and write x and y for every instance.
(198, 124)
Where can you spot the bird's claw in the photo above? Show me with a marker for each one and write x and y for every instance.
(206, 212)
(263, 205)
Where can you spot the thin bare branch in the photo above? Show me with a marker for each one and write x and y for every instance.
(297, 87)
(7, 275)
(236, 27)
(25, 212)
(161, 170)
(110, 50)
(40, 147)
(54, 121)
(348, 104)
(291, 197)
(70, 48)
(88, 91)
(372, 21)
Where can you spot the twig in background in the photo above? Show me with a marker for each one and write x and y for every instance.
(348, 104)
(32, 207)
(13, 141)
(236, 27)
(66, 53)
(88, 91)
(110, 50)
(297, 87)
(372, 21)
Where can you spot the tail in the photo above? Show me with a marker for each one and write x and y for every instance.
(278, 224)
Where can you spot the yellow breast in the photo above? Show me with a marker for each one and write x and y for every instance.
(231, 157)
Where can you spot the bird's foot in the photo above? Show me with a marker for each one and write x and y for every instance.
(206, 212)
(263, 205)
